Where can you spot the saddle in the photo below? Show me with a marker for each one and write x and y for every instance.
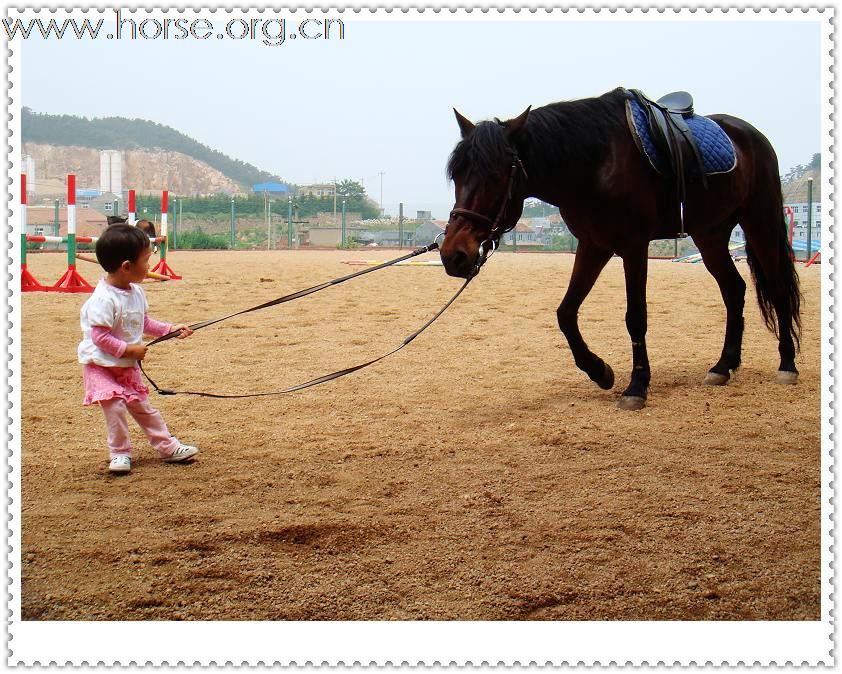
(674, 141)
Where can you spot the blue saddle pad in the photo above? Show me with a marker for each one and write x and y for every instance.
(715, 146)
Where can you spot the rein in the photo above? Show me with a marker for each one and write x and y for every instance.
(295, 296)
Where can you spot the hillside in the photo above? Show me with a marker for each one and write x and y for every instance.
(794, 184)
(143, 170)
(131, 136)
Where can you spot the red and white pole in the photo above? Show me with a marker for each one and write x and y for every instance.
(165, 195)
(71, 281)
(163, 267)
(28, 283)
(132, 212)
(71, 205)
(23, 202)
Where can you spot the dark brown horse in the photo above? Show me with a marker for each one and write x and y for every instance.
(145, 226)
(581, 157)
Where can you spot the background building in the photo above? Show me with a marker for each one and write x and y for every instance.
(110, 172)
(29, 170)
(271, 190)
(317, 190)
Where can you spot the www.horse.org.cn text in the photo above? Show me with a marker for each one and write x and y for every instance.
(271, 32)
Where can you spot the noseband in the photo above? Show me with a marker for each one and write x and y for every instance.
(496, 229)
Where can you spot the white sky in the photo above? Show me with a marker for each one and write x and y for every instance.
(381, 99)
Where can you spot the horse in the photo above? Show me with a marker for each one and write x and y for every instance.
(145, 226)
(581, 157)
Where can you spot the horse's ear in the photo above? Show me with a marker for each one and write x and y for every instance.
(515, 126)
(465, 124)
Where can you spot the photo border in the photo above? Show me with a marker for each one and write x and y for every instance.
(436, 643)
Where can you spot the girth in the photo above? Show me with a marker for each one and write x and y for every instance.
(674, 141)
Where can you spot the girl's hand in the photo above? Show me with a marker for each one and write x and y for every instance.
(185, 331)
(135, 351)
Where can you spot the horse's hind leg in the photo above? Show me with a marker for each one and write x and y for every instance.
(718, 261)
(589, 263)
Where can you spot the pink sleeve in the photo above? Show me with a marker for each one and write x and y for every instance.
(102, 337)
(155, 328)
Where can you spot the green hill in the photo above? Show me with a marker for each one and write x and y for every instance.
(794, 183)
(120, 133)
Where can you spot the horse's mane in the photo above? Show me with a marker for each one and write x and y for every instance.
(480, 153)
(569, 134)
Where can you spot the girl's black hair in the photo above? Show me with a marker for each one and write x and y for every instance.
(119, 243)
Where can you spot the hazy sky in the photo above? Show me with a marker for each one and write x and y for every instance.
(380, 99)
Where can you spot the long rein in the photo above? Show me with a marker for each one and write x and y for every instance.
(303, 293)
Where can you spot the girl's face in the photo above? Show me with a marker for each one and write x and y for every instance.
(135, 272)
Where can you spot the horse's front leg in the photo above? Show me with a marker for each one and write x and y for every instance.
(590, 261)
(635, 268)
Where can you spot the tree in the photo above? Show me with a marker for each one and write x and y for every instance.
(799, 171)
(351, 188)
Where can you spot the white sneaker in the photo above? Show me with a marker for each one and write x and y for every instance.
(120, 464)
(183, 453)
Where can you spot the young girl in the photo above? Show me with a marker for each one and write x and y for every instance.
(114, 321)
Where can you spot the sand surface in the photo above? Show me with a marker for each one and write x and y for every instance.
(474, 475)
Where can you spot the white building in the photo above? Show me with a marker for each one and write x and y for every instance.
(796, 220)
(29, 170)
(317, 190)
(110, 172)
(799, 217)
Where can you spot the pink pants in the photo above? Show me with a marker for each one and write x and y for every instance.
(149, 420)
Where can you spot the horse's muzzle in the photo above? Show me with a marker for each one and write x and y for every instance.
(458, 264)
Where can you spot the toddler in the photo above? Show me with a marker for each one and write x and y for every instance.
(114, 321)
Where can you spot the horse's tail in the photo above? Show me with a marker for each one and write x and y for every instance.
(776, 279)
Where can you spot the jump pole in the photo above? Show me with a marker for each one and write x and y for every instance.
(87, 258)
(149, 274)
(28, 283)
(71, 281)
(162, 267)
(132, 212)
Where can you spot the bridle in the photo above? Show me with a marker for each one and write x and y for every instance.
(496, 230)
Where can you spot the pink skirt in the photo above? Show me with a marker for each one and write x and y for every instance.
(106, 383)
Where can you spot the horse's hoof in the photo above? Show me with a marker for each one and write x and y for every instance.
(786, 377)
(716, 379)
(607, 381)
(631, 403)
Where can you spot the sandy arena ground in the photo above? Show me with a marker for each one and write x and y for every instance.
(475, 475)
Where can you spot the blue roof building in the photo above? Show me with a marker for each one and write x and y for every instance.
(277, 189)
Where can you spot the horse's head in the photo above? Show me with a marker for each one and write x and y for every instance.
(116, 219)
(490, 180)
(147, 227)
